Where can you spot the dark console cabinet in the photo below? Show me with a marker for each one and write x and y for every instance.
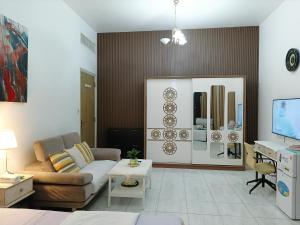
(126, 139)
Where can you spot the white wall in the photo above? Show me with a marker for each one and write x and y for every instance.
(278, 33)
(55, 59)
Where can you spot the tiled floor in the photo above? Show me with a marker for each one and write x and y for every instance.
(203, 197)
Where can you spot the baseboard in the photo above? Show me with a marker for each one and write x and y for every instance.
(196, 166)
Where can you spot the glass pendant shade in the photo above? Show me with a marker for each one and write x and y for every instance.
(178, 37)
(165, 41)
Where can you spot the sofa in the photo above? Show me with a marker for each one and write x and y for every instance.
(68, 190)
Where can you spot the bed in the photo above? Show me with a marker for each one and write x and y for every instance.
(43, 217)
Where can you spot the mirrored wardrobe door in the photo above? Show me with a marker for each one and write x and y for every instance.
(234, 150)
(200, 121)
(217, 115)
(217, 107)
(235, 125)
(235, 111)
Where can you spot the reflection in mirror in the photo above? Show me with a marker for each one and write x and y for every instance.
(234, 150)
(231, 111)
(235, 111)
(200, 121)
(240, 112)
(216, 150)
(217, 107)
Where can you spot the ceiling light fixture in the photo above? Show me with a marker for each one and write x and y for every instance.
(178, 37)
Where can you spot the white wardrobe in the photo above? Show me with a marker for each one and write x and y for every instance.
(195, 121)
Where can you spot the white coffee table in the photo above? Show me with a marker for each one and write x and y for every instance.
(142, 173)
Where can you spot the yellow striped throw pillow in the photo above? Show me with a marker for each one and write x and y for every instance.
(63, 162)
(85, 151)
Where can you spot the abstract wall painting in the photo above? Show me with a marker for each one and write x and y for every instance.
(13, 61)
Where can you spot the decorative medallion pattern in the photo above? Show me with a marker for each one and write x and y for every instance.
(170, 94)
(170, 121)
(170, 134)
(170, 148)
(155, 134)
(216, 136)
(184, 134)
(233, 136)
(170, 107)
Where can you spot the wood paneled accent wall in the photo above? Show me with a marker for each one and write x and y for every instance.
(126, 59)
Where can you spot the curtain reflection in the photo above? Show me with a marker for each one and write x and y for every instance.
(203, 105)
(217, 107)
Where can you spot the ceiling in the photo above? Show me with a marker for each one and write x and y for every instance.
(147, 15)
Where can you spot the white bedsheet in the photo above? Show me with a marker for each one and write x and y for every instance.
(101, 218)
(31, 217)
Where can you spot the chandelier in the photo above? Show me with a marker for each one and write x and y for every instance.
(178, 37)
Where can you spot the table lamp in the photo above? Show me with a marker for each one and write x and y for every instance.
(7, 141)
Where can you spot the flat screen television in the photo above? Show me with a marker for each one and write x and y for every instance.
(286, 117)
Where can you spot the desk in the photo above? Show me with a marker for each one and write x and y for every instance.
(269, 149)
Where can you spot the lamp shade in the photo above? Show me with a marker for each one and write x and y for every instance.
(7, 140)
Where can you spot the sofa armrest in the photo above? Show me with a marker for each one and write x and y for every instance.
(76, 179)
(106, 154)
(37, 166)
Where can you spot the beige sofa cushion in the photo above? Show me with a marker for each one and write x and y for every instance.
(77, 157)
(106, 154)
(48, 146)
(71, 139)
(77, 179)
(99, 170)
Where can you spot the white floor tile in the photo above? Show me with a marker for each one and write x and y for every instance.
(204, 208)
(183, 216)
(151, 202)
(229, 220)
(231, 209)
(119, 204)
(175, 205)
(203, 197)
(197, 191)
(224, 194)
(215, 179)
(204, 220)
(264, 221)
(265, 211)
(99, 204)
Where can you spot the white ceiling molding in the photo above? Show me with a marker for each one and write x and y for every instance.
(147, 15)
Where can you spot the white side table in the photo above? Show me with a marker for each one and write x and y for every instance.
(142, 173)
(12, 193)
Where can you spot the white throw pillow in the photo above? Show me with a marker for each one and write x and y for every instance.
(77, 157)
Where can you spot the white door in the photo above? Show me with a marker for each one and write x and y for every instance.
(285, 194)
(169, 120)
